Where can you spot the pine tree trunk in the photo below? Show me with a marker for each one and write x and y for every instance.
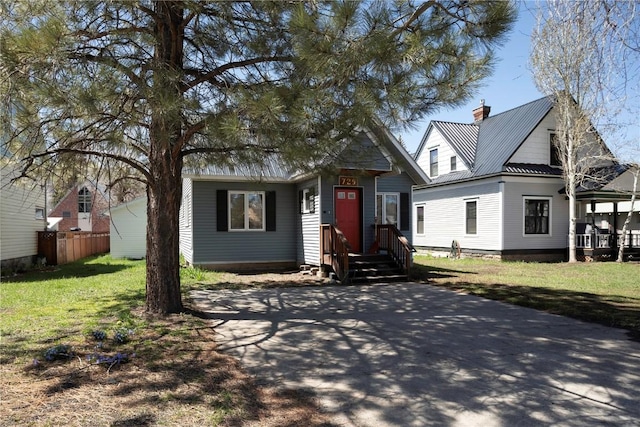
(163, 265)
(164, 189)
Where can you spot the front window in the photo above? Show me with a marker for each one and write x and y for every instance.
(246, 210)
(84, 200)
(471, 217)
(387, 208)
(420, 219)
(537, 214)
(433, 162)
(454, 162)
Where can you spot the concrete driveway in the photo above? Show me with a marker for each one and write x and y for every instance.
(416, 355)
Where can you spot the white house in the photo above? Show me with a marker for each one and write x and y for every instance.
(22, 214)
(128, 229)
(496, 186)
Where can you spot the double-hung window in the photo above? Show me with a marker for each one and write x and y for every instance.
(471, 217)
(420, 219)
(246, 210)
(387, 208)
(537, 215)
(433, 162)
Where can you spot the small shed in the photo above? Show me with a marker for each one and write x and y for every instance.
(128, 229)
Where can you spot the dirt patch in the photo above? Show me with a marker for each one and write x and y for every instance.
(173, 376)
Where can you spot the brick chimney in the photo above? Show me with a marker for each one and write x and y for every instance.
(482, 112)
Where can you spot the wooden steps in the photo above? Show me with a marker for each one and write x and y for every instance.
(369, 268)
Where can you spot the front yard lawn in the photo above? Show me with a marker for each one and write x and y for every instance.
(76, 349)
(602, 292)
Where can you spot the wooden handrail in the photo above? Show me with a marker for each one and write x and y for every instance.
(335, 247)
(390, 239)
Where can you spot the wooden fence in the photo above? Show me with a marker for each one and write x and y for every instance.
(61, 247)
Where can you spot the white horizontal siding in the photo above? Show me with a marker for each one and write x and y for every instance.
(445, 215)
(18, 223)
(515, 190)
(436, 140)
(128, 230)
(536, 149)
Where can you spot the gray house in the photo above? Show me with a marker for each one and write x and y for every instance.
(496, 188)
(267, 217)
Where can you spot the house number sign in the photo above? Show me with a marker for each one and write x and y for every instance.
(348, 181)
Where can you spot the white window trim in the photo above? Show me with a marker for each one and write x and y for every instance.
(39, 213)
(424, 218)
(476, 200)
(524, 211)
(384, 207)
(305, 201)
(549, 134)
(437, 162)
(246, 209)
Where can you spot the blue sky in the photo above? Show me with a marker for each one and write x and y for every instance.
(510, 85)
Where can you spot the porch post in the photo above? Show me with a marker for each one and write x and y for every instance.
(615, 228)
(594, 244)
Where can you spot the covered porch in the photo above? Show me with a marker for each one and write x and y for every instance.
(604, 201)
(600, 235)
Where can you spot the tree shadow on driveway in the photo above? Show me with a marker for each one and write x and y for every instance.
(413, 354)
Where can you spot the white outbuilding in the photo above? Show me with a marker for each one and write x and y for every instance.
(128, 229)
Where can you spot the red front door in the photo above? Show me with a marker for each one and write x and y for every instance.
(349, 215)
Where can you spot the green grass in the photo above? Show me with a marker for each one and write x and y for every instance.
(94, 293)
(172, 374)
(603, 292)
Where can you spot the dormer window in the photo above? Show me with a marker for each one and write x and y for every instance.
(554, 153)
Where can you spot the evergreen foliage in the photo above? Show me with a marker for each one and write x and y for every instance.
(153, 86)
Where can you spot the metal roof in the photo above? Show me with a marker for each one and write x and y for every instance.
(273, 168)
(486, 146)
(501, 135)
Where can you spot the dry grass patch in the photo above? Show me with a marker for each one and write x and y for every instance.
(176, 378)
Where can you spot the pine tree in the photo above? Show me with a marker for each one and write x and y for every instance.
(155, 85)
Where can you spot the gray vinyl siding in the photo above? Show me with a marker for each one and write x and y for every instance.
(211, 246)
(400, 183)
(515, 190)
(361, 154)
(308, 248)
(186, 221)
(445, 216)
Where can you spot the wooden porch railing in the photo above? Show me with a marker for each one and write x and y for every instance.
(335, 250)
(390, 239)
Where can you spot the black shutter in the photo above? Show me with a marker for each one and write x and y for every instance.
(300, 201)
(270, 211)
(404, 212)
(222, 211)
